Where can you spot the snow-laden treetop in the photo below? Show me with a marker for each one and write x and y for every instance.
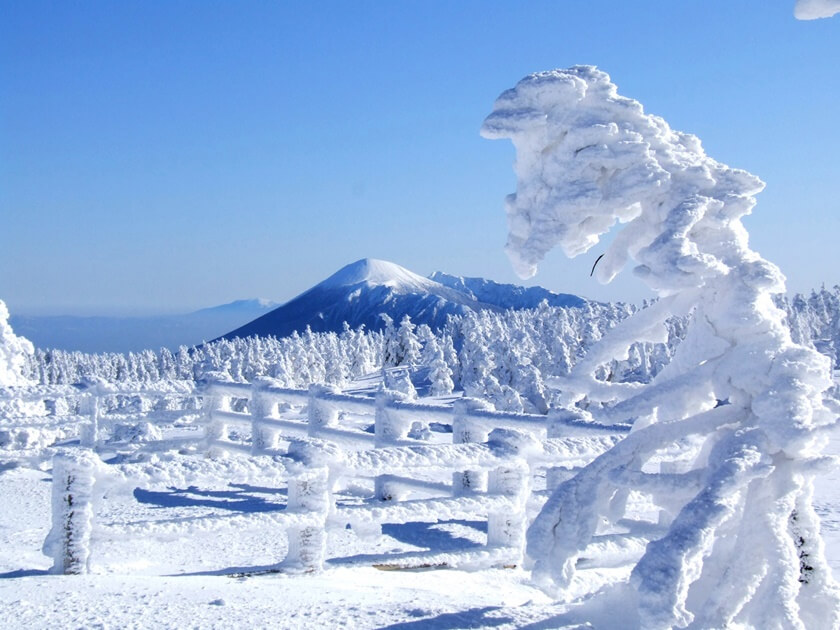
(587, 158)
(815, 9)
(13, 351)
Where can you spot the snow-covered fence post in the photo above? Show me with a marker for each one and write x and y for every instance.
(390, 426)
(388, 429)
(506, 528)
(68, 542)
(321, 412)
(310, 492)
(89, 406)
(261, 406)
(739, 401)
(216, 429)
(464, 432)
(557, 428)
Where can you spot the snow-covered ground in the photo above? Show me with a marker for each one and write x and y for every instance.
(220, 579)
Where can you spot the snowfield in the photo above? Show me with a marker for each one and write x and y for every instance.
(215, 581)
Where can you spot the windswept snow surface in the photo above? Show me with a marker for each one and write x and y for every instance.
(815, 9)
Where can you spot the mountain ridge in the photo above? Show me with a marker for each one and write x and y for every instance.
(359, 292)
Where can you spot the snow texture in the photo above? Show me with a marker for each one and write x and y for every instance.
(739, 409)
(815, 9)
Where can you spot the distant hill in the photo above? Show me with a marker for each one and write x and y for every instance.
(359, 292)
(132, 334)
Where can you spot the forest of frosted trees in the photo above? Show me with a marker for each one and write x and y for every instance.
(502, 357)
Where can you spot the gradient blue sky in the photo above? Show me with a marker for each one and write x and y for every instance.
(164, 156)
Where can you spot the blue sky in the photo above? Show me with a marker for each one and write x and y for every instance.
(164, 156)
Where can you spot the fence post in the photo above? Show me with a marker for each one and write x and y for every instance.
(464, 432)
(310, 492)
(261, 406)
(216, 430)
(557, 428)
(321, 413)
(90, 405)
(506, 527)
(68, 542)
(89, 432)
(389, 428)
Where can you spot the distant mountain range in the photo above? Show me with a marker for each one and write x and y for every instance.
(357, 294)
(132, 334)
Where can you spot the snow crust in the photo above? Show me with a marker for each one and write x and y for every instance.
(815, 9)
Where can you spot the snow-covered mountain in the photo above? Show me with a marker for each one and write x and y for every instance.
(132, 334)
(505, 295)
(359, 292)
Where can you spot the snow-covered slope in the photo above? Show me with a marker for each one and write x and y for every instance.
(359, 292)
(132, 334)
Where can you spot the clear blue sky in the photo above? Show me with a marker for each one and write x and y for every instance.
(163, 156)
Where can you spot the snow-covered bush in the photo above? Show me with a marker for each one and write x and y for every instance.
(740, 406)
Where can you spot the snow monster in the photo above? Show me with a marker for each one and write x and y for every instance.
(726, 440)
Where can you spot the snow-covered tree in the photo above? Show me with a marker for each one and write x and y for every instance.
(737, 415)
(14, 352)
(409, 345)
(440, 375)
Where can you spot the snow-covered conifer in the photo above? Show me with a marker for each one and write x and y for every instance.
(440, 375)
(408, 343)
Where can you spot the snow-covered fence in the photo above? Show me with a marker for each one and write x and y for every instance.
(81, 481)
(396, 422)
(324, 406)
(35, 417)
